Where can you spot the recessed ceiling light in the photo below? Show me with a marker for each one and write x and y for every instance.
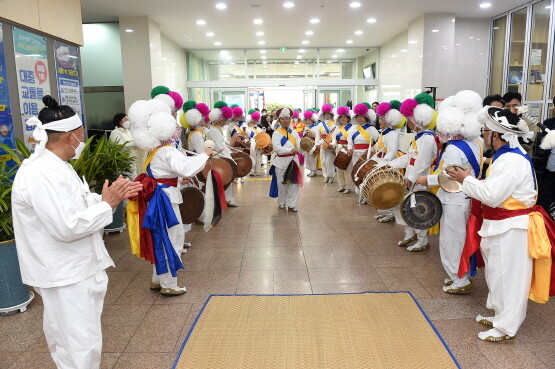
(225, 76)
(328, 62)
(349, 41)
(334, 56)
(315, 20)
(288, 4)
(355, 4)
(339, 50)
(471, 37)
(548, 7)
(260, 33)
(435, 30)
(210, 34)
(452, 20)
(393, 56)
(221, 6)
(305, 42)
(413, 42)
(297, 62)
(358, 33)
(261, 42)
(301, 51)
(258, 21)
(404, 50)
(129, 30)
(371, 20)
(485, 5)
(309, 33)
(217, 43)
(458, 44)
(262, 51)
(299, 56)
(201, 22)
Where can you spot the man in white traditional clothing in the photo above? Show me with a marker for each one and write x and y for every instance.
(286, 175)
(220, 116)
(459, 129)
(327, 155)
(507, 195)
(58, 224)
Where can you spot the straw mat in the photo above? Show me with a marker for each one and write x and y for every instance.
(364, 330)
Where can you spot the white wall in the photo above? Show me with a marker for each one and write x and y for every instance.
(101, 55)
(173, 70)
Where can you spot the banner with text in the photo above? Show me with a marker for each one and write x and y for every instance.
(6, 124)
(68, 76)
(31, 63)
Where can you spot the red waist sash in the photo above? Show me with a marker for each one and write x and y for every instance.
(167, 181)
(361, 146)
(285, 156)
(412, 161)
(342, 142)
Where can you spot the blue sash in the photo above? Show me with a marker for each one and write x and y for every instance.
(506, 149)
(365, 127)
(313, 125)
(422, 133)
(467, 151)
(386, 131)
(338, 136)
(285, 139)
(158, 218)
(326, 127)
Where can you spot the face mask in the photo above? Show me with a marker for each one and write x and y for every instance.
(126, 124)
(78, 149)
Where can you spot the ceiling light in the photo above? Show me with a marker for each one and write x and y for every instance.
(260, 33)
(495, 27)
(334, 56)
(263, 57)
(339, 50)
(129, 30)
(413, 42)
(217, 43)
(262, 51)
(328, 62)
(258, 21)
(261, 42)
(309, 33)
(297, 62)
(232, 63)
(358, 33)
(349, 41)
(210, 34)
(393, 56)
(315, 20)
(485, 5)
(371, 20)
(458, 44)
(334, 74)
(471, 37)
(221, 6)
(403, 50)
(301, 51)
(435, 30)
(299, 56)
(264, 62)
(201, 22)
(355, 4)
(305, 42)
(452, 20)
(288, 4)
(225, 76)
(548, 7)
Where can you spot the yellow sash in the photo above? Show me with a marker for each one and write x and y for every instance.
(299, 127)
(364, 133)
(191, 135)
(287, 135)
(330, 124)
(239, 129)
(343, 132)
(150, 156)
(539, 249)
(380, 144)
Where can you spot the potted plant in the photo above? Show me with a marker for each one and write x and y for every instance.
(102, 160)
(14, 295)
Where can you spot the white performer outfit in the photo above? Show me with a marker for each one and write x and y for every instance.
(361, 139)
(327, 156)
(58, 224)
(311, 160)
(255, 152)
(340, 143)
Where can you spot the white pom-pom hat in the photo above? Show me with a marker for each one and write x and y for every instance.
(151, 123)
(459, 115)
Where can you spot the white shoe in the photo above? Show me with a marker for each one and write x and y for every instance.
(346, 191)
(293, 209)
(447, 282)
(341, 190)
(232, 204)
(326, 180)
(417, 247)
(458, 288)
(407, 241)
(183, 251)
(332, 179)
(485, 320)
(386, 219)
(378, 216)
(494, 335)
(282, 206)
(242, 179)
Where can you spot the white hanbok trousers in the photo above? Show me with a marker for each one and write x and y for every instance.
(71, 322)
(177, 238)
(288, 194)
(327, 157)
(344, 178)
(229, 194)
(452, 237)
(311, 162)
(508, 276)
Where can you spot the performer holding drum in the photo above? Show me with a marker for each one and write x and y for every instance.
(458, 125)
(421, 155)
(312, 136)
(343, 161)
(327, 155)
(255, 152)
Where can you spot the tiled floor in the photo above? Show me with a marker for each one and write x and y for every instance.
(330, 245)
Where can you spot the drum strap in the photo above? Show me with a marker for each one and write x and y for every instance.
(287, 136)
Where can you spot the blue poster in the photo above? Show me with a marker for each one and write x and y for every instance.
(6, 124)
(68, 76)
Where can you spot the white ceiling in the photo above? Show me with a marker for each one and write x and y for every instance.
(234, 27)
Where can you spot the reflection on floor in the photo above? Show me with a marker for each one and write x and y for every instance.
(331, 245)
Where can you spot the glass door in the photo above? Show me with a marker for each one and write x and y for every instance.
(335, 96)
(230, 96)
(309, 99)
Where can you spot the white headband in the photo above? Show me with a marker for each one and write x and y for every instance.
(39, 133)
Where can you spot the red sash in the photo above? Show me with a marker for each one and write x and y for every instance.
(342, 142)
(285, 156)
(361, 146)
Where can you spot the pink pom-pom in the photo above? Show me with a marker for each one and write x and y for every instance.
(255, 116)
(343, 110)
(327, 108)
(383, 108)
(177, 99)
(295, 114)
(360, 109)
(227, 112)
(206, 117)
(203, 108)
(308, 114)
(407, 107)
(237, 111)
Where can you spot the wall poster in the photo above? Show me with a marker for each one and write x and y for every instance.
(6, 124)
(68, 76)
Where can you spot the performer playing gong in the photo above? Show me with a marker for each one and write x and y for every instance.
(387, 146)
(286, 175)
(422, 153)
(458, 125)
(514, 230)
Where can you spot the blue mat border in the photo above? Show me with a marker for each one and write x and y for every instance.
(174, 366)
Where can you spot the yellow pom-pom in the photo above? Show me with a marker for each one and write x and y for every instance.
(183, 121)
(433, 123)
(402, 123)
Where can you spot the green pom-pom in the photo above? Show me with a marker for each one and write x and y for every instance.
(191, 104)
(219, 104)
(233, 106)
(424, 98)
(158, 90)
(395, 104)
(317, 110)
(251, 111)
(368, 105)
(299, 110)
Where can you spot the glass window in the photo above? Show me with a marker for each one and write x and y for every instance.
(516, 51)
(499, 29)
(537, 58)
